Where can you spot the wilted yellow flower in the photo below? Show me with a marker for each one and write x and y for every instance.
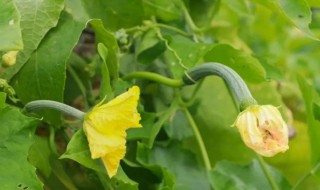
(263, 129)
(9, 58)
(106, 126)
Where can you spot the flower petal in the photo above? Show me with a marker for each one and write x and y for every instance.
(112, 160)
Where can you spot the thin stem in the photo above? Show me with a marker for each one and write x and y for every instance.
(267, 173)
(134, 29)
(49, 104)
(154, 77)
(195, 92)
(78, 81)
(52, 143)
(303, 178)
(199, 139)
(172, 29)
(189, 20)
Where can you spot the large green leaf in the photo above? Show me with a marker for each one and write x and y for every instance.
(183, 54)
(310, 96)
(10, 32)
(43, 76)
(115, 14)
(16, 134)
(181, 163)
(244, 64)
(229, 176)
(37, 18)
(39, 155)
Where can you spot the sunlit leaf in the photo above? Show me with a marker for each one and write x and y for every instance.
(37, 18)
(184, 54)
(10, 31)
(246, 65)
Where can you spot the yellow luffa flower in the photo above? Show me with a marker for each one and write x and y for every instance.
(106, 126)
(263, 129)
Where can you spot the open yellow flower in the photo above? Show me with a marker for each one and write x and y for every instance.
(106, 126)
(263, 129)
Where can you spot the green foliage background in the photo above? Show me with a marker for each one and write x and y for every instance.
(78, 52)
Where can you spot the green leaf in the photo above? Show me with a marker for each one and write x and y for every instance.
(151, 127)
(180, 163)
(299, 13)
(203, 11)
(115, 14)
(39, 155)
(10, 31)
(310, 96)
(179, 127)
(105, 87)
(60, 173)
(159, 124)
(78, 150)
(43, 76)
(143, 133)
(108, 40)
(16, 134)
(150, 47)
(166, 10)
(183, 54)
(37, 18)
(229, 176)
(244, 64)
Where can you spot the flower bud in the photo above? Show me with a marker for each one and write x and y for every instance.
(263, 129)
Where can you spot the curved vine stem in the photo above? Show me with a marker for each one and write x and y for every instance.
(154, 77)
(49, 104)
(199, 139)
(267, 173)
(303, 178)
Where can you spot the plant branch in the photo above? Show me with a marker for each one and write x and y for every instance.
(199, 139)
(154, 77)
(303, 178)
(267, 173)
